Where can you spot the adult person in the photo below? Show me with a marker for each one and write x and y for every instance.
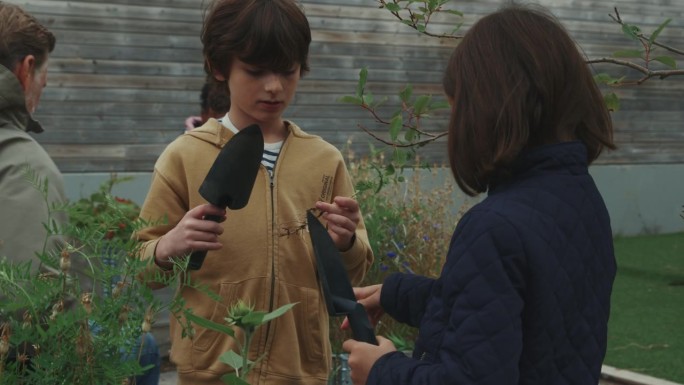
(261, 253)
(524, 294)
(25, 47)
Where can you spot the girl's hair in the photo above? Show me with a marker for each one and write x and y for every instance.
(22, 35)
(516, 81)
(272, 34)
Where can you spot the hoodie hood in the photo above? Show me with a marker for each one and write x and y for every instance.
(216, 133)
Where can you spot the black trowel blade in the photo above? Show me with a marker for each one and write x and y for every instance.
(230, 179)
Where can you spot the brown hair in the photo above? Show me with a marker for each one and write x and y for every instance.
(22, 35)
(517, 81)
(272, 34)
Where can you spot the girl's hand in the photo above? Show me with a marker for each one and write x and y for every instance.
(362, 357)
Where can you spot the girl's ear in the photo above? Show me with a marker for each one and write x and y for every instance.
(24, 71)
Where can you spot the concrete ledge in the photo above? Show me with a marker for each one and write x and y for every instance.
(626, 377)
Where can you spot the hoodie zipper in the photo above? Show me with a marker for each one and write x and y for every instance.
(274, 237)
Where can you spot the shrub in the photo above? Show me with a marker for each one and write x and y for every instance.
(410, 218)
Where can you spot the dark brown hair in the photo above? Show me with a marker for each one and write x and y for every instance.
(272, 34)
(22, 35)
(517, 80)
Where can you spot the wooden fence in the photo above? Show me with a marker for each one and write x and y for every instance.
(126, 74)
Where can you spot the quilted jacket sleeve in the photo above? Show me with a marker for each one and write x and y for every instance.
(470, 327)
(404, 297)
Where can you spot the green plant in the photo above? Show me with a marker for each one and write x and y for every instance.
(409, 222)
(100, 208)
(404, 130)
(243, 317)
(75, 315)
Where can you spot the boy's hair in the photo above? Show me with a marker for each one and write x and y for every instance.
(22, 35)
(271, 34)
(517, 80)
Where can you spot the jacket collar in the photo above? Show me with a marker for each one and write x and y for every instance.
(216, 133)
(565, 157)
(13, 103)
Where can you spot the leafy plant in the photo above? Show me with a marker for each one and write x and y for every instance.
(97, 211)
(409, 222)
(245, 318)
(76, 315)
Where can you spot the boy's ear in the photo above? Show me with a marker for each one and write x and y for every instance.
(24, 70)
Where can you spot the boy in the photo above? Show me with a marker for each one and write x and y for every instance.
(262, 253)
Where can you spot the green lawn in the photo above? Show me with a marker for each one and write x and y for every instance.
(646, 328)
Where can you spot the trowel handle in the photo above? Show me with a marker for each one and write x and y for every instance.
(197, 257)
(361, 326)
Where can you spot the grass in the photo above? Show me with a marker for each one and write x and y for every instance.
(646, 327)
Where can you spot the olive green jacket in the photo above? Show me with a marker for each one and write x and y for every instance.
(23, 210)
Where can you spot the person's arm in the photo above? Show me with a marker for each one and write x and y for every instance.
(482, 284)
(173, 229)
(404, 297)
(346, 226)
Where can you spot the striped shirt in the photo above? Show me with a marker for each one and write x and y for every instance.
(271, 150)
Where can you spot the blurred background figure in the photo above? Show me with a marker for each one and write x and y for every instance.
(214, 103)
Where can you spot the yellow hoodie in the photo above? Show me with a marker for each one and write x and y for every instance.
(266, 260)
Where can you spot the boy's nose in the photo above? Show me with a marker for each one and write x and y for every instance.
(274, 83)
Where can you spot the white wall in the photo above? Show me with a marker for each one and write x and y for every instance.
(641, 199)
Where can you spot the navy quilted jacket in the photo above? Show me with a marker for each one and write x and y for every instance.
(524, 295)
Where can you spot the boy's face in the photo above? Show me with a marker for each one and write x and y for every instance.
(259, 95)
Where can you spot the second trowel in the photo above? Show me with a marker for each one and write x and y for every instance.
(231, 177)
(339, 295)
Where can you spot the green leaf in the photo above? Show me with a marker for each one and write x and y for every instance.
(631, 31)
(389, 169)
(421, 103)
(406, 93)
(612, 101)
(441, 104)
(395, 127)
(233, 379)
(351, 100)
(207, 324)
(278, 312)
(420, 28)
(231, 359)
(363, 76)
(410, 135)
(667, 60)
(254, 318)
(392, 7)
(454, 12)
(399, 156)
(658, 30)
(368, 98)
(635, 53)
(603, 78)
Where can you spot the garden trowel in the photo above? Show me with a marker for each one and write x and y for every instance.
(338, 292)
(230, 179)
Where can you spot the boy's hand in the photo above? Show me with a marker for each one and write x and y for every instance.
(343, 216)
(190, 234)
